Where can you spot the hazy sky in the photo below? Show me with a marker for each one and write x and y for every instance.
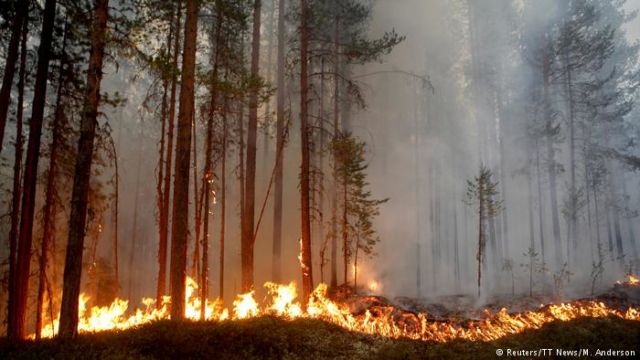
(633, 28)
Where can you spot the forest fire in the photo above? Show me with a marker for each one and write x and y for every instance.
(631, 281)
(387, 321)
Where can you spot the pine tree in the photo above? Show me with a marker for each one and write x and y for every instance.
(358, 208)
(77, 222)
(482, 192)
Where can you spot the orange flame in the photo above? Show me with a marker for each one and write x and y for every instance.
(383, 320)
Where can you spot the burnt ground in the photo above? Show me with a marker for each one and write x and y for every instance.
(274, 338)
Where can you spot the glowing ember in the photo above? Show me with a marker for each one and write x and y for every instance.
(383, 320)
(373, 285)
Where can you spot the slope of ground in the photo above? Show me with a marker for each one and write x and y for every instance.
(273, 338)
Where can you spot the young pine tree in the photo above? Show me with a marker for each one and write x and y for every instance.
(358, 207)
(482, 192)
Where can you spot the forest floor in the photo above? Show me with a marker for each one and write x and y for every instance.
(274, 338)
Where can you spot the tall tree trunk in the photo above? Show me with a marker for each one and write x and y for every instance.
(336, 121)
(50, 202)
(180, 214)
(223, 196)
(555, 219)
(161, 158)
(17, 173)
(597, 215)
(456, 249)
(305, 246)
(23, 262)
(276, 266)
(268, 77)
(250, 179)
(609, 229)
(572, 226)
(134, 228)
(10, 63)
(77, 221)
(418, 201)
(114, 234)
(208, 179)
(355, 264)
(632, 237)
(481, 235)
(197, 204)
(503, 173)
(241, 164)
(615, 212)
(208, 171)
(540, 205)
(345, 230)
(164, 213)
(320, 171)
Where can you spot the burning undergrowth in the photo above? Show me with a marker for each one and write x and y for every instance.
(375, 315)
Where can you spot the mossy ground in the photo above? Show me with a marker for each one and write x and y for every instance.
(273, 338)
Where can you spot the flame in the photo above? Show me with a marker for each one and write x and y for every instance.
(632, 280)
(283, 300)
(383, 320)
(373, 285)
(245, 306)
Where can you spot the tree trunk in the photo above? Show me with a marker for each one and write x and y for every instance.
(164, 214)
(503, 177)
(305, 246)
(418, 201)
(456, 248)
(208, 173)
(540, 205)
(345, 230)
(481, 235)
(23, 262)
(609, 229)
(17, 171)
(632, 237)
(615, 212)
(114, 235)
(250, 178)
(161, 159)
(10, 63)
(134, 230)
(197, 204)
(572, 228)
(268, 77)
(223, 195)
(320, 171)
(555, 219)
(180, 214)
(336, 120)
(276, 266)
(355, 265)
(50, 202)
(75, 244)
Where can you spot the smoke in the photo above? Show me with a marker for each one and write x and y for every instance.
(424, 143)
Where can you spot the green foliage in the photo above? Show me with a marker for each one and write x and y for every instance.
(361, 208)
(482, 190)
